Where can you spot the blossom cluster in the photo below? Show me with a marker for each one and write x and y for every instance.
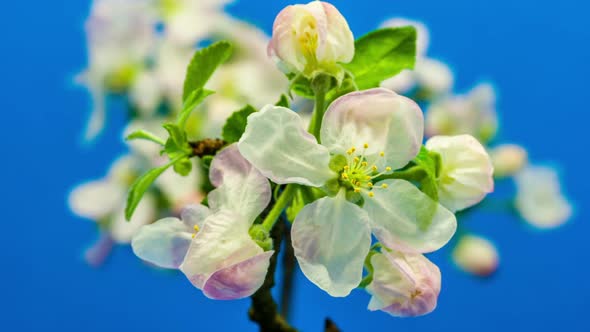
(374, 178)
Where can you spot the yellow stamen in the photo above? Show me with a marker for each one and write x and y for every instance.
(374, 168)
(366, 146)
(382, 154)
(384, 185)
(388, 169)
(364, 163)
(371, 194)
(357, 190)
(370, 184)
(193, 236)
(196, 228)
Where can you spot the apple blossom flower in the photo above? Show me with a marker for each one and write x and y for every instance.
(311, 38)
(403, 285)
(473, 114)
(332, 236)
(539, 199)
(476, 255)
(432, 77)
(466, 174)
(211, 245)
(508, 159)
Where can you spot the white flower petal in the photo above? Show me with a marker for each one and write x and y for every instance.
(222, 242)
(384, 120)
(331, 238)
(195, 214)
(276, 143)
(476, 255)
(123, 231)
(407, 220)
(163, 243)
(240, 187)
(467, 172)
(539, 199)
(96, 199)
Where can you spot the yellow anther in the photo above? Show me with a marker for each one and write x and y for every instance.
(371, 194)
(364, 163)
(353, 149)
(345, 176)
(370, 184)
(366, 146)
(388, 169)
(356, 159)
(368, 177)
(382, 154)
(349, 152)
(374, 168)
(384, 185)
(196, 228)
(346, 167)
(357, 190)
(193, 236)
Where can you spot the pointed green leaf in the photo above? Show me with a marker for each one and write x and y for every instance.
(145, 135)
(140, 186)
(194, 99)
(382, 54)
(203, 65)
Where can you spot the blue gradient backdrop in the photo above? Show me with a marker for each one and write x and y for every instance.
(535, 51)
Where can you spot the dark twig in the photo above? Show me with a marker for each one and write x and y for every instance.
(288, 275)
(330, 326)
(263, 310)
(207, 147)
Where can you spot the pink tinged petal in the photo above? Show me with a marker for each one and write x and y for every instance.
(467, 171)
(283, 46)
(222, 242)
(163, 243)
(97, 254)
(277, 145)
(240, 187)
(331, 238)
(96, 199)
(405, 219)
(386, 121)
(404, 285)
(336, 42)
(239, 280)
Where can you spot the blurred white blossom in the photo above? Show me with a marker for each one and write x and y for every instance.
(476, 255)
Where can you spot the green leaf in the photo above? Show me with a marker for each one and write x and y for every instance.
(145, 135)
(236, 124)
(382, 54)
(177, 135)
(140, 186)
(283, 102)
(194, 99)
(203, 65)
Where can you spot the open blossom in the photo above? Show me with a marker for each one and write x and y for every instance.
(404, 285)
(310, 38)
(508, 159)
(466, 174)
(374, 132)
(539, 199)
(211, 245)
(476, 255)
(430, 76)
(473, 114)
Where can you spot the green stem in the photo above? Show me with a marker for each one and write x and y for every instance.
(279, 206)
(318, 114)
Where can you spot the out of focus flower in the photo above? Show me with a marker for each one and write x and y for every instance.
(311, 38)
(431, 77)
(332, 236)
(186, 22)
(476, 255)
(539, 199)
(404, 285)
(466, 174)
(473, 114)
(211, 245)
(120, 38)
(508, 159)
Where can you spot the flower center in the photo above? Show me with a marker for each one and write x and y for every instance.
(360, 172)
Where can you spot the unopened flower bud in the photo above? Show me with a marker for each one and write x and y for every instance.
(508, 159)
(476, 255)
(311, 38)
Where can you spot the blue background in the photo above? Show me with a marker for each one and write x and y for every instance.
(535, 51)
